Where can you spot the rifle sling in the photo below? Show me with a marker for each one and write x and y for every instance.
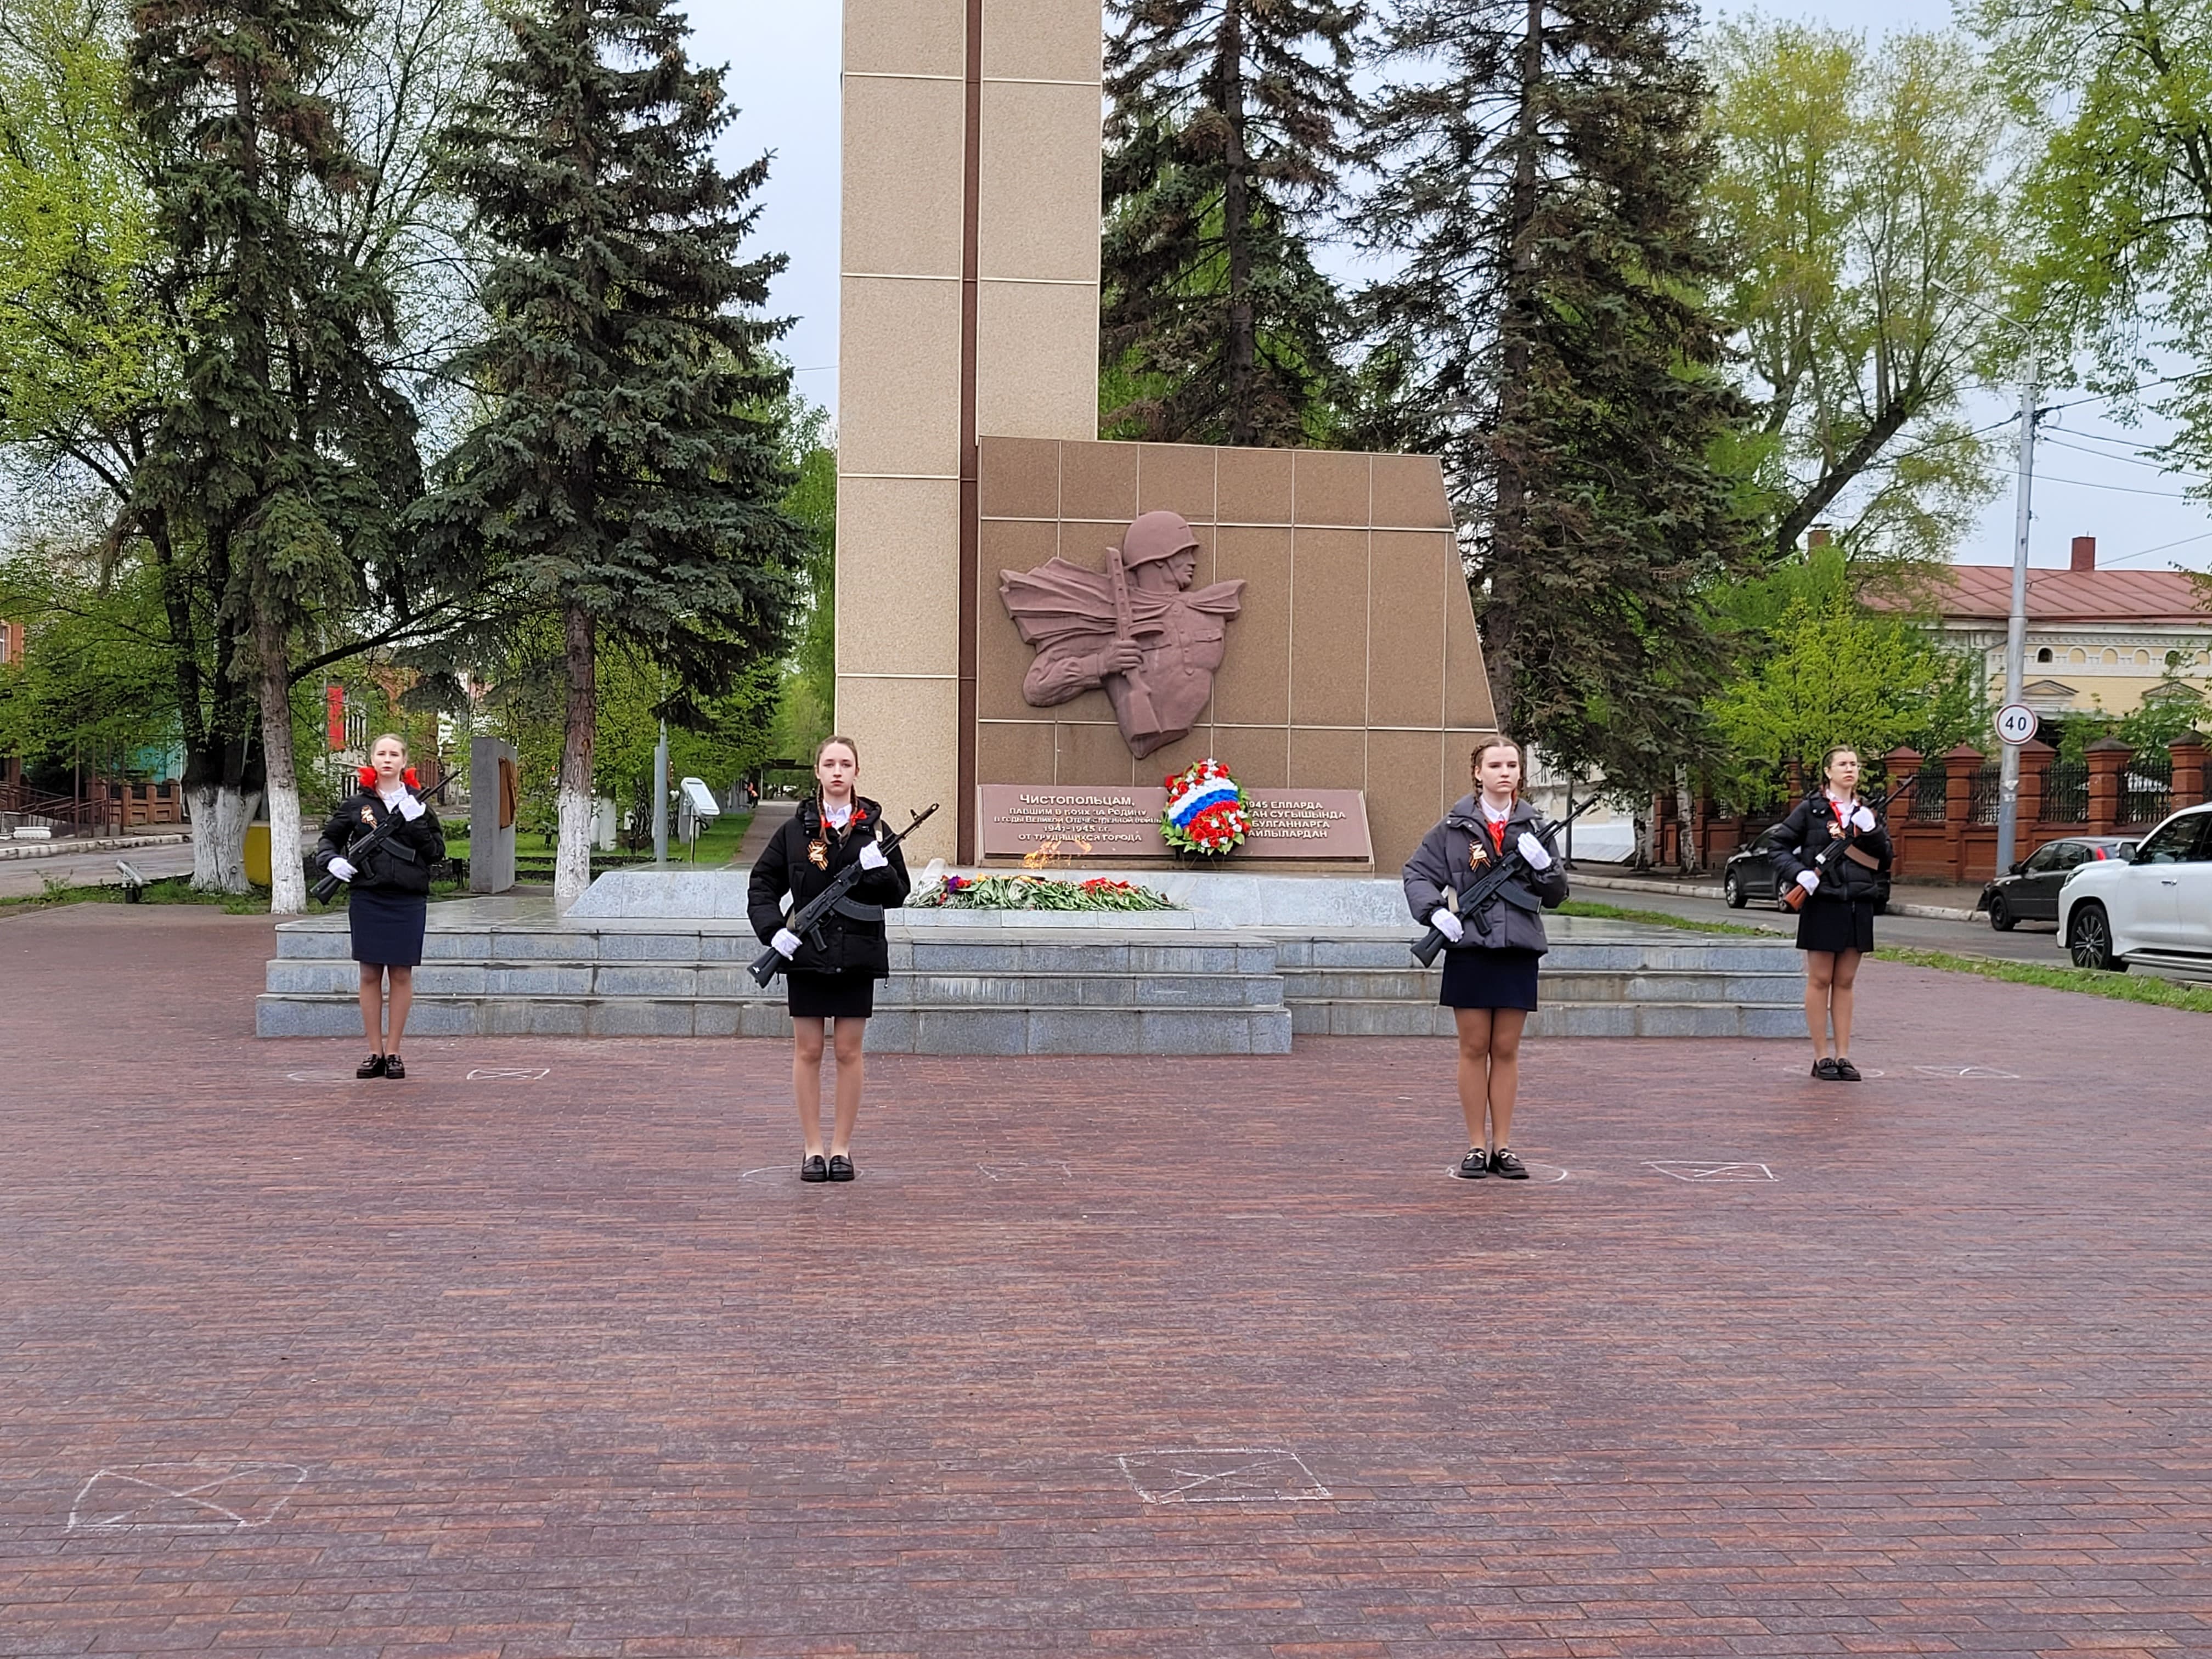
(1858, 854)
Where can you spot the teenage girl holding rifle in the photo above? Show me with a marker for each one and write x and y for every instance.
(1490, 960)
(1833, 853)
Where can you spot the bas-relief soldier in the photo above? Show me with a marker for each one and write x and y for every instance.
(1138, 629)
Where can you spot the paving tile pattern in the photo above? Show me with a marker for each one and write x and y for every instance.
(574, 1366)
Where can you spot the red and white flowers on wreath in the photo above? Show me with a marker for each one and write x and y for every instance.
(1206, 811)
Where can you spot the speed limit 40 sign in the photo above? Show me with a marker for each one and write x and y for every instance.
(2016, 723)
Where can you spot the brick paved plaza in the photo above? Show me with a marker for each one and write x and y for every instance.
(1098, 1357)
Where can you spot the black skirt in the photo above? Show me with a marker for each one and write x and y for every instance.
(387, 927)
(1489, 979)
(848, 996)
(1836, 924)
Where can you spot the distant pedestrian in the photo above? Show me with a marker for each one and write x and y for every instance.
(387, 895)
(1490, 958)
(831, 984)
(1834, 849)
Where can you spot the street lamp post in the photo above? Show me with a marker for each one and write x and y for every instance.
(2015, 661)
(660, 797)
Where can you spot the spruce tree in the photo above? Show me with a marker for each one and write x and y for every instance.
(284, 452)
(1227, 126)
(627, 471)
(1538, 168)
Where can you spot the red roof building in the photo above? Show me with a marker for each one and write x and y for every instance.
(2097, 639)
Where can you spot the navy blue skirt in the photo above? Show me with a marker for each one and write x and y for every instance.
(1483, 978)
(388, 927)
(848, 996)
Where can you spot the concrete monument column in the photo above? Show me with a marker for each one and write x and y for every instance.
(969, 296)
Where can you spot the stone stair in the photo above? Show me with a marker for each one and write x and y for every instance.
(1603, 979)
(1094, 985)
(952, 990)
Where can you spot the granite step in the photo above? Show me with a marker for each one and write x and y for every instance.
(897, 1027)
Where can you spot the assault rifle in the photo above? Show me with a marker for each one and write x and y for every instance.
(369, 840)
(1475, 899)
(808, 917)
(1791, 896)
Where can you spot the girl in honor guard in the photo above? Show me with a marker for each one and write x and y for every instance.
(832, 975)
(387, 895)
(1490, 959)
(1835, 850)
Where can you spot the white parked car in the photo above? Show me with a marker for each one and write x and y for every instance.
(2156, 908)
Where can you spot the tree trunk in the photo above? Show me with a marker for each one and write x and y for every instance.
(1647, 824)
(1508, 538)
(1242, 425)
(219, 812)
(287, 883)
(1685, 810)
(572, 858)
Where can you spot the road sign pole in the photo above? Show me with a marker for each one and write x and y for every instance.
(2016, 625)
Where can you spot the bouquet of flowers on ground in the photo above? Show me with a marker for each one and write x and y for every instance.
(1206, 811)
(1026, 893)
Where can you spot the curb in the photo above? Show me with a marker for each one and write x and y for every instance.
(1712, 894)
(54, 849)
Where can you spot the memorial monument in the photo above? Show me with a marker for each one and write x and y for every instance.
(1313, 632)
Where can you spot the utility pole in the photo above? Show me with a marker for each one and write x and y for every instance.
(2016, 626)
(660, 797)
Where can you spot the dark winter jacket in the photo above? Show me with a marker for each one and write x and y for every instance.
(1811, 829)
(801, 859)
(401, 865)
(1446, 862)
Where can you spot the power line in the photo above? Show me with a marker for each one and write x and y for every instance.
(2086, 484)
(2130, 460)
(2144, 553)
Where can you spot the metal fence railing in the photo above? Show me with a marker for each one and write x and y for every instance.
(2147, 788)
(2066, 791)
(1931, 798)
(1983, 794)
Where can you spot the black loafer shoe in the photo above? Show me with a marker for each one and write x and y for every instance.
(373, 1066)
(814, 1169)
(840, 1167)
(1846, 1071)
(1474, 1165)
(1826, 1070)
(394, 1066)
(1506, 1163)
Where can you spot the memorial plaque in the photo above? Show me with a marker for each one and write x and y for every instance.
(1106, 823)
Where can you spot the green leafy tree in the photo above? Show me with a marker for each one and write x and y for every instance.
(93, 685)
(1838, 673)
(806, 709)
(1538, 170)
(1227, 125)
(628, 473)
(1861, 193)
(2119, 200)
(284, 446)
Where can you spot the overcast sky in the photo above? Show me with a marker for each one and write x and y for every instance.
(783, 58)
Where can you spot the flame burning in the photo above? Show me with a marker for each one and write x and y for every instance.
(1042, 857)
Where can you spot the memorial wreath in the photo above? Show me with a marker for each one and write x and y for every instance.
(1205, 812)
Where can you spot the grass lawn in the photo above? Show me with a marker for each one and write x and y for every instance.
(177, 889)
(717, 845)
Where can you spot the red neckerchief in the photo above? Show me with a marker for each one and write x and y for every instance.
(1841, 816)
(1497, 828)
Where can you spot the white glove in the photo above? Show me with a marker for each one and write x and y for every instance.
(1532, 850)
(407, 806)
(342, 869)
(785, 943)
(1448, 925)
(872, 857)
(1810, 881)
(1862, 820)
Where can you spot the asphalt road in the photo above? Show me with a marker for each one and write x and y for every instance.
(30, 875)
(2036, 941)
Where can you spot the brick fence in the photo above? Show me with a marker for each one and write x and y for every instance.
(1945, 828)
